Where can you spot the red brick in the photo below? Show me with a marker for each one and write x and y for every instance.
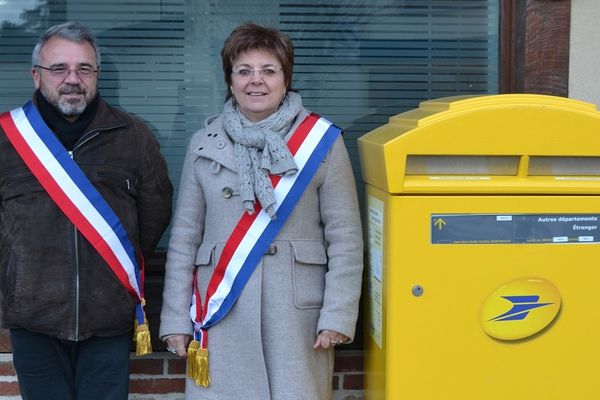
(348, 362)
(7, 369)
(157, 386)
(176, 366)
(353, 381)
(9, 389)
(354, 397)
(5, 346)
(146, 366)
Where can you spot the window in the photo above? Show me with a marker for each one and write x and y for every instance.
(357, 62)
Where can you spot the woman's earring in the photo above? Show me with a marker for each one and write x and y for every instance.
(282, 99)
(233, 103)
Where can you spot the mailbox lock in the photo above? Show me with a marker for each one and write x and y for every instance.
(417, 290)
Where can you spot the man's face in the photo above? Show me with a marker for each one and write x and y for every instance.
(71, 91)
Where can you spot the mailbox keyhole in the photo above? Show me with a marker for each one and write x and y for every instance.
(417, 290)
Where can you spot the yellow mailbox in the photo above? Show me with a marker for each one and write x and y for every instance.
(483, 218)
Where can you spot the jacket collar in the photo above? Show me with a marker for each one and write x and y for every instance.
(215, 144)
(105, 118)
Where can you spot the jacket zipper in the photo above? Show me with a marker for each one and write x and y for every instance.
(76, 338)
(86, 137)
(76, 244)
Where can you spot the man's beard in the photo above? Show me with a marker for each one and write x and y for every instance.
(68, 108)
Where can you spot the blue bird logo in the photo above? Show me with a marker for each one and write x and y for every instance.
(522, 305)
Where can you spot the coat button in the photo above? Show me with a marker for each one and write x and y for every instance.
(220, 144)
(271, 250)
(227, 192)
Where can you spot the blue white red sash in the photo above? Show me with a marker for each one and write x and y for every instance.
(74, 194)
(253, 234)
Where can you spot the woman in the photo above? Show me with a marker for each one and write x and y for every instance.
(300, 298)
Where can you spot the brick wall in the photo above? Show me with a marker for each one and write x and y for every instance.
(160, 376)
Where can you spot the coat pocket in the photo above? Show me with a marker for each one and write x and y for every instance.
(308, 274)
(205, 264)
(205, 254)
(119, 180)
(22, 187)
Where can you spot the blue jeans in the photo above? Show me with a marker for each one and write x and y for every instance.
(55, 369)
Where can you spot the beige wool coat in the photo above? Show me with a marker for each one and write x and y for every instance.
(309, 280)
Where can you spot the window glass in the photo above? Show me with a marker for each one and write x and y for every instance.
(357, 62)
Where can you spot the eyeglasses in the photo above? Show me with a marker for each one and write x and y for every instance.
(62, 72)
(248, 72)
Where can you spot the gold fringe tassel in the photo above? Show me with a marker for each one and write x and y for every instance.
(197, 364)
(191, 356)
(143, 345)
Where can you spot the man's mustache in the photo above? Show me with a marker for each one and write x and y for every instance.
(71, 89)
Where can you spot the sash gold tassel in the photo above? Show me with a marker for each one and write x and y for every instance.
(197, 364)
(143, 345)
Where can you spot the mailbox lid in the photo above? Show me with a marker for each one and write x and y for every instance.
(516, 143)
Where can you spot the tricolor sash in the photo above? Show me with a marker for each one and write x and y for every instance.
(78, 199)
(251, 237)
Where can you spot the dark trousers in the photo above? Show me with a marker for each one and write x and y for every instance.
(54, 369)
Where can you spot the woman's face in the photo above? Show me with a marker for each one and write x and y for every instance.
(257, 84)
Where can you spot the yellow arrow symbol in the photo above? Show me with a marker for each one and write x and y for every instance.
(439, 223)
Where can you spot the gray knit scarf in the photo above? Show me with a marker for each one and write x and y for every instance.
(260, 150)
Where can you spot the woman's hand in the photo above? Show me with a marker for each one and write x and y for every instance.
(178, 344)
(328, 339)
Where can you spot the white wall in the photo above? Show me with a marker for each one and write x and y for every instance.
(584, 58)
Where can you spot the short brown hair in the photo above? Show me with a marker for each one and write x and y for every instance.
(250, 36)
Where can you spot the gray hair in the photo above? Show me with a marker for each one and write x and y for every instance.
(73, 31)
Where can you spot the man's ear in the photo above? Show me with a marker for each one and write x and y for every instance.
(35, 74)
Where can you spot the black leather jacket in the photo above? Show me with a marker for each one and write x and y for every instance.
(52, 280)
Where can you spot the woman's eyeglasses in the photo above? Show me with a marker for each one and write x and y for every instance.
(248, 72)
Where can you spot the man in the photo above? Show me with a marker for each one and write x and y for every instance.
(84, 196)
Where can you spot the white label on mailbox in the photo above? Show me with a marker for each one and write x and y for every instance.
(375, 279)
